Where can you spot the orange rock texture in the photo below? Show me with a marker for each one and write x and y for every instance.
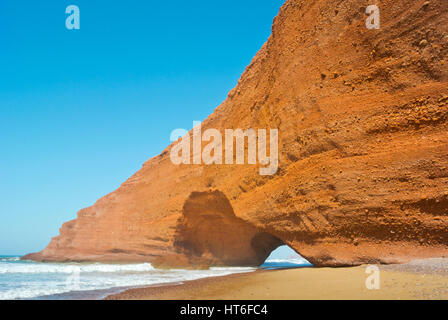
(363, 154)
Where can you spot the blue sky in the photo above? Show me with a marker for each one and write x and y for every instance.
(82, 110)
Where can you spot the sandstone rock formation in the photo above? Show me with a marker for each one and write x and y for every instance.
(363, 141)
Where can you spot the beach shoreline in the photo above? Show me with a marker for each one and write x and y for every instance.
(418, 280)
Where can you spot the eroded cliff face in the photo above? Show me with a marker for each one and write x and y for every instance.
(363, 141)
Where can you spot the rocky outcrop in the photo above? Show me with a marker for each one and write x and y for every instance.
(363, 140)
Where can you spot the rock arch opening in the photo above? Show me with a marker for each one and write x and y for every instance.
(285, 257)
(209, 233)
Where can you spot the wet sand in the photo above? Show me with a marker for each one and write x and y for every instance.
(420, 279)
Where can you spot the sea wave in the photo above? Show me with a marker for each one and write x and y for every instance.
(34, 268)
(29, 280)
(233, 269)
(27, 293)
(8, 259)
(294, 261)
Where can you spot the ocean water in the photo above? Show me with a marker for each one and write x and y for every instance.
(37, 280)
(298, 262)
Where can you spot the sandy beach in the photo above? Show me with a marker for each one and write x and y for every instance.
(420, 279)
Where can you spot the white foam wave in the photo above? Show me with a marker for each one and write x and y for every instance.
(92, 282)
(27, 280)
(34, 268)
(7, 259)
(233, 269)
(295, 261)
(24, 293)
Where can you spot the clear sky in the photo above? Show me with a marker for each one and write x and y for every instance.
(82, 110)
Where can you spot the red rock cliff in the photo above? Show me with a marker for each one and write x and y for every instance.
(363, 141)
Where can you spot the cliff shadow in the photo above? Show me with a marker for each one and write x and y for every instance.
(209, 233)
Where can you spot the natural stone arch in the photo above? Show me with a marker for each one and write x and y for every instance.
(363, 153)
(210, 233)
